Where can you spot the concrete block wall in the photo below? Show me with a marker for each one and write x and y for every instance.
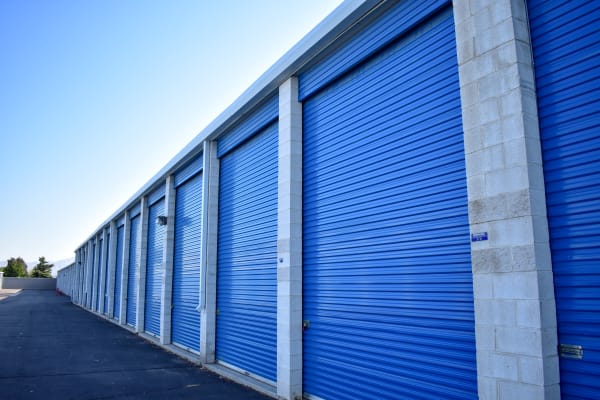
(289, 244)
(29, 283)
(208, 268)
(512, 271)
(167, 262)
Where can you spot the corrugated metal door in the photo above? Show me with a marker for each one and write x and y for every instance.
(105, 274)
(185, 319)
(388, 292)
(92, 277)
(134, 262)
(118, 271)
(247, 257)
(99, 274)
(566, 47)
(154, 268)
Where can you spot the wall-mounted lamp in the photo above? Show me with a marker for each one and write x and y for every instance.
(161, 220)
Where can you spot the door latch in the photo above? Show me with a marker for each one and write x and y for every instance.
(305, 325)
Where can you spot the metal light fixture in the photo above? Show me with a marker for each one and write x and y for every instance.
(161, 220)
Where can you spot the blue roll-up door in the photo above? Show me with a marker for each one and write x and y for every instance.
(185, 318)
(105, 274)
(134, 262)
(118, 272)
(92, 277)
(154, 268)
(247, 256)
(388, 295)
(99, 274)
(566, 48)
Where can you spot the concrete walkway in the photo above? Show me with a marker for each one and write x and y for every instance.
(4, 293)
(51, 349)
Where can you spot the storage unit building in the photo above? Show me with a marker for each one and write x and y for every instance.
(406, 205)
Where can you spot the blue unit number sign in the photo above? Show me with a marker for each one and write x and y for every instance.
(479, 236)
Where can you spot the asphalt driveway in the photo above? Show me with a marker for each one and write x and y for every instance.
(52, 349)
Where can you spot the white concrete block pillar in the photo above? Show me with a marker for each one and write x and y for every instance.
(81, 274)
(167, 262)
(208, 271)
(102, 272)
(515, 320)
(125, 270)
(289, 244)
(78, 280)
(140, 275)
(1, 277)
(112, 266)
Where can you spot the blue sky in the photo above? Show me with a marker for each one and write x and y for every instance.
(97, 96)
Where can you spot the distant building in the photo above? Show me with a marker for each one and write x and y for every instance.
(406, 205)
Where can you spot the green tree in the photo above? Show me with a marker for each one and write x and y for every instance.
(42, 269)
(15, 267)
